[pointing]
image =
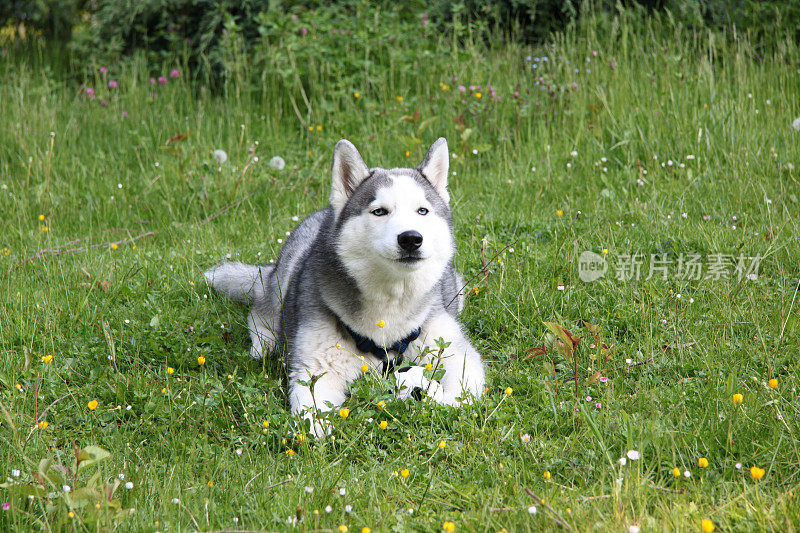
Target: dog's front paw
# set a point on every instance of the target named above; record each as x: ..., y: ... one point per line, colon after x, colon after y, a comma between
x: 412, y: 381
x: 319, y: 427
x: 256, y: 352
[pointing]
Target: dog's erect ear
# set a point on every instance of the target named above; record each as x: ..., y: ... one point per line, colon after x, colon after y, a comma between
x: 349, y: 170
x: 435, y: 167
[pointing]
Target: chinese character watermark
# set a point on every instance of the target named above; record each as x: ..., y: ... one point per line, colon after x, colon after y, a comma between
x: 686, y: 266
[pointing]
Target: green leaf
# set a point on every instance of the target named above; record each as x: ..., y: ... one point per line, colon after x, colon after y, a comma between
x: 90, y: 456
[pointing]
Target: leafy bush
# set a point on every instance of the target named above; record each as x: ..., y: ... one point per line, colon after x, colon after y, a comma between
x: 54, y: 19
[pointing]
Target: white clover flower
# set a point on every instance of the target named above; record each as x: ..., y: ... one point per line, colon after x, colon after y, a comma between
x: 328, y: 508
x: 15, y: 472
x: 176, y: 501
x: 129, y: 485
x: 342, y: 491
x: 532, y: 509
x: 348, y: 509
x: 633, y: 529
x: 687, y: 474
x: 623, y: 461
x: 277, y: 163
x: 309, y: 489
x: 66, y: 488
x: 633, y: 455
x: 796, y: 123
x: 573, y: 153
x: 121, y: 477
x: 238, y: 451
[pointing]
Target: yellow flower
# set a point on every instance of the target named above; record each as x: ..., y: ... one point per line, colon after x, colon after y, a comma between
x: 311, y: 128
x: 92, y: 405
x: 381, y: 404
x: 301, y: 437
x: 605, y: 251
x: 210, y: 483
x: 265, y: 423
x: 384, y: 424
x: 164, y: 390
x: 357, y: 95
x: 676, y: 472
x: 708, y: 525
x: 290, y: 452
x: 41, y: 218
x: 366, y: 530
x: 114, y: 246
x: 343, y: 529
x: 18, y: 386
x: 408, y: 153
x: 449, y: 527
x: 71, y: 514
x: 442, y: 445
x: 404, y: 473
x: 319, y: 128
x: 380, y: 323
x: 559, y: 212
x: 338, y: 346
x: 773, y: 383
x: 399, y: 98
x: 703, y: 462
x: 737, y: 398
x: 428, y: 367
x: 201, y: 360
x: 170, y: 370
x: 475, y: 290
x: 364, y: 368
x: 508, y: 391
x: 478, y: 95
x: 757, y: 472
x: 344, y: 413
x: 547, y: 474
x: 44, y: 228
x: 47, y: 358
x: 43, y: 424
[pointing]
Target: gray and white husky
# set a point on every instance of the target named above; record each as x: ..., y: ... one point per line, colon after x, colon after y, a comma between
x: 369, y: 279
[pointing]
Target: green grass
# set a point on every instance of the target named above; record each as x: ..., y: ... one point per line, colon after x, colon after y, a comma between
x: 114, y: 320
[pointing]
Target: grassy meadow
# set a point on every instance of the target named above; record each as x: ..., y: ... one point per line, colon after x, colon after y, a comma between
x: 627, y: 136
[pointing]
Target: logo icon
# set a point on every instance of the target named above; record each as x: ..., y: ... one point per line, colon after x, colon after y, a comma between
x: 591, y: 266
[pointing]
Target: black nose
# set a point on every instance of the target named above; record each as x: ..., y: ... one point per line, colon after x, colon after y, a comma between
x: 409, y: 240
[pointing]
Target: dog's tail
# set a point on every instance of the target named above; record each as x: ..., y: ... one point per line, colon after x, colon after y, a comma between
x: 240, y: 282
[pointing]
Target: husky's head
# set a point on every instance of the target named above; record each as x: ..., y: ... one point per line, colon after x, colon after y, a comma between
x: 392, y: 221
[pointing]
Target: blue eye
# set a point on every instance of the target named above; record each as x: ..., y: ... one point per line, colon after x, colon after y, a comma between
x: 422, y: 211
x: 379, y: 212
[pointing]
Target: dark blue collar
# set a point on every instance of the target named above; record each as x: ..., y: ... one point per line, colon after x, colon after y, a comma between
x: 367, y: 345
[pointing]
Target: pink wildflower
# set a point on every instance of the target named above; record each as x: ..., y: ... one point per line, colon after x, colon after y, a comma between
x: 598, y: 405
x: 113, y: 84
x: 303, y: 31
x: 174, y: 73
x: 103, y: 103
x: 6, y: 506
x: 124, y: 113
x: 153, y: 81
x: 90, y: 92
x: 162, y: 80
x: 103, y: 70
x: 462, y: 89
